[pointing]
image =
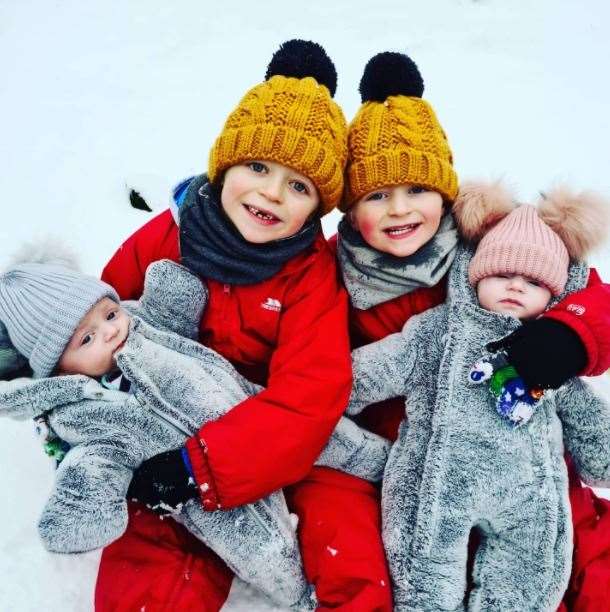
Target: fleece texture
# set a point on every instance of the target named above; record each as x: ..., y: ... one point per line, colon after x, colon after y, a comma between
x: 458, y: 466
x: 178, y: 384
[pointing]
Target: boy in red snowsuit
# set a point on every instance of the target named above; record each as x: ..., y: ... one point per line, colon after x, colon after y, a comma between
x: 251, y: 230
x: 394, y: 246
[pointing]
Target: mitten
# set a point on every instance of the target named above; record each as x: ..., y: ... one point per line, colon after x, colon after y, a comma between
x: 545, y: 352
x: 173, y: 299
x: 164, y: 482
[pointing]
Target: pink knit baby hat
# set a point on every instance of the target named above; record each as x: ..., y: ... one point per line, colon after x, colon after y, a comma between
x: 522, y: 244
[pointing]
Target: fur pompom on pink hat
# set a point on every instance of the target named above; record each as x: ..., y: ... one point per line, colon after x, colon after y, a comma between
x: 534, y: 241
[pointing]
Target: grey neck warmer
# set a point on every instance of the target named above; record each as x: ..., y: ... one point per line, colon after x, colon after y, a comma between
x: 212, y: 247
x: 372, y: 277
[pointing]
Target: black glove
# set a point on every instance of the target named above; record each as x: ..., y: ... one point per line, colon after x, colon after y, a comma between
x: 545, y: 353
x: 163, y: 483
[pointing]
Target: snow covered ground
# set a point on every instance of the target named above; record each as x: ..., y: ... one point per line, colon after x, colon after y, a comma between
x: 100, y: 96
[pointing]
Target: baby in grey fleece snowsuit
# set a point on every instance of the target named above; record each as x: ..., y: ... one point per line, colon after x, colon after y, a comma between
x: 468, y: 458
x: 63, y: 320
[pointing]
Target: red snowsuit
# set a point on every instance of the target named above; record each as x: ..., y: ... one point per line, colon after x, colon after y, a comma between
x: 290, y: 334
x: 587, y: 312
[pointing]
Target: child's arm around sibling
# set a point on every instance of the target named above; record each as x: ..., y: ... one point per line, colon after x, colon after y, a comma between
x: 299, y: 408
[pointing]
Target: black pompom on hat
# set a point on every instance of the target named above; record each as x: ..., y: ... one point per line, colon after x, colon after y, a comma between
x: 303, y: 58
x: 390, y: 74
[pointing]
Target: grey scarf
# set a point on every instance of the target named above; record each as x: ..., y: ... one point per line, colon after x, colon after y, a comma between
x: 372, y: 277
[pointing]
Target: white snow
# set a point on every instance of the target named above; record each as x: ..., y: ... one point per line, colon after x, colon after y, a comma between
x: 98, y: 97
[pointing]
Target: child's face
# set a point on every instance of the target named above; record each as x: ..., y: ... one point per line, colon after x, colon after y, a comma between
x: 398, y: 220
x: 266, y: 200
x: 102, y: 331
x: 514, y: 295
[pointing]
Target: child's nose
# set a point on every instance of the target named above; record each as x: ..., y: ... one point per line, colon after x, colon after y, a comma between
x: 516, y: 283
x: 399, y: 204
x: 110, y: 330
x: 272, y: 189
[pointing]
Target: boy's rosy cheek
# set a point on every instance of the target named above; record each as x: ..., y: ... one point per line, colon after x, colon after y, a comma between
x: 367, y: 228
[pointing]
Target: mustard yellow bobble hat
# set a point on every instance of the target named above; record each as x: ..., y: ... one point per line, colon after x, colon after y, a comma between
x: 292, y: 119
x: 395, y: 137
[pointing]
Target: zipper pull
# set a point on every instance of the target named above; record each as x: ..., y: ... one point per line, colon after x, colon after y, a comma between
x: 226, y: 288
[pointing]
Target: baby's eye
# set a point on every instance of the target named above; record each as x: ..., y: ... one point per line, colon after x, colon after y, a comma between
x: 111, y: 315
x: 257, y: 167
x: 534, y: 283
x: 503, y: 276
x: 300, y: 187
x: 378, y: 195
x: 86, y: 339
x: 414, y: 189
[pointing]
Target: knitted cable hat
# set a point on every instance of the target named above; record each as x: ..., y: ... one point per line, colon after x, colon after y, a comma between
x: 537, y: 242
x: 522, y: 244
x: 395, y: 137
x: 42, y: 304
x: 291, y: 119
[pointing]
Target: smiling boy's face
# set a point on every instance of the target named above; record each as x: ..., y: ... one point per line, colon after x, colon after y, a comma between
x: 101, y: 332
x: 513, y: 294
x: 267, y: 201
x: 398, y: 219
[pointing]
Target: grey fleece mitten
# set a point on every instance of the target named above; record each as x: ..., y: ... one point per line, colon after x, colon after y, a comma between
x: 173, y: 296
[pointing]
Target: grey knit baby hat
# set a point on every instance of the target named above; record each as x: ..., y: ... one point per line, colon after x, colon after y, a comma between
x: 42, y: 304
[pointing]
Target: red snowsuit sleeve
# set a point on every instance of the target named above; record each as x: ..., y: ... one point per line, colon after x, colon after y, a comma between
x: 587, y: 312
x: 272, y: 439
x: 157, y: 239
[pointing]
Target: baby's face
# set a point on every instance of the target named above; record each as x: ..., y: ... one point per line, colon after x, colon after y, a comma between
x: 513, y: 294
x: 101, y: 332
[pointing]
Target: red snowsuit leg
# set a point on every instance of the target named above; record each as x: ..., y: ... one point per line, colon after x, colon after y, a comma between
x: 159, y: 566
x: 340, y: 536
x: 589, y: 589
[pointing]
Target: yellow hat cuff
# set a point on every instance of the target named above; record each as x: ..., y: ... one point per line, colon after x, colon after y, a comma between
x: 398, y: 167
x: 284, y: 145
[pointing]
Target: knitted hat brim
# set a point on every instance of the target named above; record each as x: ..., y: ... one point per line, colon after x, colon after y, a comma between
x: 406, y: 165
x: 286, y: 146
x: 527, y: 259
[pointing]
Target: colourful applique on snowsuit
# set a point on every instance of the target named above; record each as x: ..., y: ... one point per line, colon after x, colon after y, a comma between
x: 176, y: 385
x: 457, y: 465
